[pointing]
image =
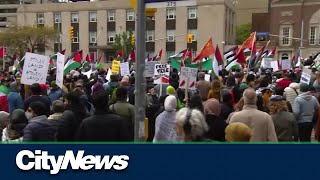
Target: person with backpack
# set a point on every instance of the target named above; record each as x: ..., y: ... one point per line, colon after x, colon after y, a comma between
x: 291, y: 92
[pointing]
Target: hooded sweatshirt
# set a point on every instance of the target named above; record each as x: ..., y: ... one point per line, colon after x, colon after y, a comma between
x: 304, y: 107
x: 165, y: 122
x: 14, y: 98
x: 40, y: 129
x: 291, y: 92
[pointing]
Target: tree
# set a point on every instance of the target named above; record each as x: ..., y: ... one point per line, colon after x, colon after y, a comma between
x: 19, y: 39
x: 243, y: 32
x: 124, y: 41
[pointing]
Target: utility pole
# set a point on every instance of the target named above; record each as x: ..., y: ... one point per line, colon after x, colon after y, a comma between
x: 140, y: 78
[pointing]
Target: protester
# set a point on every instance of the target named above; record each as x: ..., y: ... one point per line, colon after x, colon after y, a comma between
x: 55, y: 93
x: 238, y: 132
x: 14, y: 131
x: 226, y: 106
x: 152, y: 106
x: 203, y: 86
x: 37, y: 97
x: 191, y: 125
x: 4, y: 120
x: 39, y: 127
x: 112, y: 85
x: 285, y: 123
x: 284, y: 82
x: 305, y: 107
x: 261, y: 123
x: 196, y: 103
x: 103, y: 125
x: 215, y: 91
x: 165, y: 122
x: 316, y: 83
x: 14, y: 98
x: 216, y: 124
x: 57, y: 109
x: 291, y: 92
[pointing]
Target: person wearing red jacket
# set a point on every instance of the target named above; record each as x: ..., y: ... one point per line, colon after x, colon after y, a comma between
x: 284, y: 82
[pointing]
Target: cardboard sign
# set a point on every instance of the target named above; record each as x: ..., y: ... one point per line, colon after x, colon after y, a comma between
x: 285, y: 64
x: 266, y: 62
x: 124, y: 69
x: 188, y: 78
x: 274, y: 66
x: 305, y: 76
x: 149, y: 72
x: 35, y: 69
x: 60, y: 67
x: 161, y: 73
x: 115, y: 68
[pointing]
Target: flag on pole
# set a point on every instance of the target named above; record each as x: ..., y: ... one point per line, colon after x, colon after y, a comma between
x: 207, y: 50
x: 120, y: 56
x: 248, y: 44
x: 92, y: 58
x: 158, y: 56
x: 271, y: 54
x: 189, y: 56
x: 81, y: 54
x: 99, y: 62
x: 230, y: 54
x: 182, y: 64
x: 132, y: 56
x: 217, y: 60
x: 178, y: 56
x: 73, y: 63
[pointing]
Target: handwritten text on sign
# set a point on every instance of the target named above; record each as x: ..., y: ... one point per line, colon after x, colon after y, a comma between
x: 60, y: 66
x: 161, y: 71
x: 35, y: 69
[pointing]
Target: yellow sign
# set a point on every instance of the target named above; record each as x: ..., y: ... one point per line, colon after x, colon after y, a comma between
x: 150, y: 12
x: 189, y: 38
x: 115, y: 68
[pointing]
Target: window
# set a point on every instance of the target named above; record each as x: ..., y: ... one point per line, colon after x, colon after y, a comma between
x: 57, y: 18
x: 111, y: 36
x: 130, y: 15
x: 93, y: 16
x: 192, y: 13
x: 194, y: 53
x: 286, y: 33
x: 150, y: 36
x: 57, y: 39
x: 92, y: 37
x: 170, y: 35
x: 284, y: 56
x: 194, y: 34
x: 171, y: 13
x: 170, y: 53
x: 74, y: 17
x: 313, y: 35
x: 75, y: 37
x: 111, y: 15
x: 40, y: 18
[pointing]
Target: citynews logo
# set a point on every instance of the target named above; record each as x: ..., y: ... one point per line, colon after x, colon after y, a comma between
x: 40, y: 160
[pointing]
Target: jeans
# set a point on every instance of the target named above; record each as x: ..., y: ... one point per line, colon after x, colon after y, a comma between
x: 305, y: 130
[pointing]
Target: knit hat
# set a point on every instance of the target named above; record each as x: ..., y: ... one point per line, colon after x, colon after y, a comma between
x: 212, y: 106
x: 170, y: 103
x: 238, y: 132
x: 171, y: 90
x: 3, y: 116
x: 304, y: 87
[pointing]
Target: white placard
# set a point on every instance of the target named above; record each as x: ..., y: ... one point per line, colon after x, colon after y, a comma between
x: 274, y: 66
x: 124, y: 69
x: 161, y: 71
x: 108, y: 74
x: 149, y: 72
x: 60, y: 67
x: 285, y: 65
x: 207, y: 77
x: 305, y: 76
x: 35, y: 69
x: 188, y: 77
x: 266, y: 62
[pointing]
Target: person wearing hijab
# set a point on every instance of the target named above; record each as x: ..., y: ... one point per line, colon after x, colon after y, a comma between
x: 4, y: 119
x: 14, y: 131
x: 14, y: 98
x: 165, y: 122
x: 238, y: 132
x: 196, y: 103
x: 212, y: 110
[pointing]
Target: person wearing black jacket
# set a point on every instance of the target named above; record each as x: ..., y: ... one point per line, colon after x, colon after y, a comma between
x: 152, y: 107
x: 103, y: 125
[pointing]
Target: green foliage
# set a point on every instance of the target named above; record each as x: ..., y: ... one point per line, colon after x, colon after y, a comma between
x: 19, y: 39
x: 243, y: 32
x: 123, y: 41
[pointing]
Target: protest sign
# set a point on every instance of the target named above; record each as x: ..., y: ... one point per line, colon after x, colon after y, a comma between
x: 305, y: 76
x: 124, y: 69
x: 108, y: 74
x: 149, y: 72
x: 207, y: 77
x: 35, y: 69
x: 115, y: 68
x: 285, y: 65
x: 266, y: 62
x: 274, y: 66
x: 60, y: 67
x: 161, y: 73
x: 188, y: 78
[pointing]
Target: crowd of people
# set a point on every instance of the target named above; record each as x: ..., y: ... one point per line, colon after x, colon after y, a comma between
x: 236, y: 106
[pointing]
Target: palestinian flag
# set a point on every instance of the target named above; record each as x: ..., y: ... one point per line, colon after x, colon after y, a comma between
x: 21, y: 63
x: 158, y: 56
x: 120, y: 56
x: 92, y: 58
x: 132, y: 56
x: 271, y: 54
x: 230, y: 54
x: 178, y: 56
x: 217, y: 60
x: 86, y: 63
x: 182, y: 63
x: 72, y: 63
x: 99, y: 62
x: 236, y: 63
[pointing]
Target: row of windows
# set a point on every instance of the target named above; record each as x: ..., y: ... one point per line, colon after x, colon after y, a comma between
x: 111, y: 15
x: 286, y: 32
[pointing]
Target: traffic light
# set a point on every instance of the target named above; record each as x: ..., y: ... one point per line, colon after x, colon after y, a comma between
x: 190, y: 39
x: 71, y: 33
x: 133, y: 40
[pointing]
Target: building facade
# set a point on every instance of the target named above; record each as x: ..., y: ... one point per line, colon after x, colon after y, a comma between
x: 97, y: 23
x: 292, y: 21
x: 246, y: 8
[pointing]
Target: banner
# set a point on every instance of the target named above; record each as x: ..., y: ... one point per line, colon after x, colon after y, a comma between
x: 161, y: 71
x: 115, y: 68
x: 59, y: 73
x: 206, y: 65
x: 35, y: 69
x: 305, y: 76
x: 149, y: 70
x: 285, y: 65
x: 124, y: 69
x: 266, y: 62
x: 188, y: 78
x: 274, y: 66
